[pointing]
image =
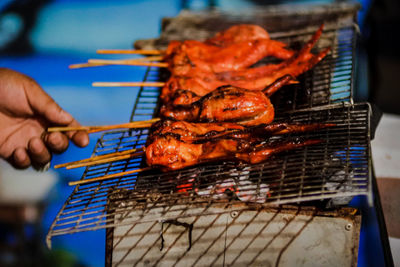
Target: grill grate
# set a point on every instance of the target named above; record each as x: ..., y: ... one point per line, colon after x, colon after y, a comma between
x: 337, y: 167
x: 330, y: 81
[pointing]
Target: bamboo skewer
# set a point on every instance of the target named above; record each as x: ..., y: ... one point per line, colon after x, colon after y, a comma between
x: 125, y: 61
x: 138, y: 84
x: 128, y: 84
x: 93, y: 129
x: 105, y: 160
x: 105, y: 62
x: 152, y: 63
x: 130, y: 51
x: 141, y: 63
x: 105, y: 177
x: 85, y: 65
x: 100, y: 157
x: 129, y: 125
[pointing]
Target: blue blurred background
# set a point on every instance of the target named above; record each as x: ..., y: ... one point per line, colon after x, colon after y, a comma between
x: 41, y: 38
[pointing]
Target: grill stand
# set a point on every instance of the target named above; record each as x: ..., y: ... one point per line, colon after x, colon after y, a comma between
x: 286, y: 236
x: 383, y: 234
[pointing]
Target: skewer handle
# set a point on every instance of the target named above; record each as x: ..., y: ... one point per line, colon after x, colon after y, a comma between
x: 105, y: 160
x: 106, y: 177
x: 130, y: 51
x: 85, y: 65
x: 100, y: 157
x: 93, y: 129
x: 128, y: 84
x: 106, y: 62
x: 124, y: 61
x: 138, y: 63
x: 129, y: 62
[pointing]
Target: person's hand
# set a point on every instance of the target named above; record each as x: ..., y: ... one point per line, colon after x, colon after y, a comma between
x: 26, y: 111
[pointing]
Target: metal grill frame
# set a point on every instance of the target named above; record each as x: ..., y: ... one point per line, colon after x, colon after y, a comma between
x: 337, y: 73
x: 245, y: 237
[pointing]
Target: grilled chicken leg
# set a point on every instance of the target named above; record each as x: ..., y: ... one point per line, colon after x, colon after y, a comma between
x: 169, y: 153
x: 229, y: 104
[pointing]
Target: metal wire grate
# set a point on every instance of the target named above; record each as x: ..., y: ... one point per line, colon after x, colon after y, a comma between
x: 330, y: 81
x: 337, y: 167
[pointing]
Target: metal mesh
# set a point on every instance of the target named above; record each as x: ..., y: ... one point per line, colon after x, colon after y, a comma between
x: 330, y: 81
x: 339, y: 166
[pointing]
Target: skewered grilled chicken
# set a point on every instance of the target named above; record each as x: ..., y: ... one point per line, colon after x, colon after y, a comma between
x: 203, y: 132
x: 236, y: 48
x: 169, y: 153
x: 177, y: 51
x: 229, y: 104
x: 183, y: 90
x: 238, y: 33
x: 186, y: 90
x: 301, y: 57
x: 188, y: 54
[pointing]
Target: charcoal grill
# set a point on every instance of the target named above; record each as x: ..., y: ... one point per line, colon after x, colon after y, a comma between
x: 328, y: 174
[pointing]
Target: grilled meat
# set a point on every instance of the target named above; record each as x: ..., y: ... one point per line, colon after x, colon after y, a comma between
x: 236, y: 48
x: 169, y: 153
x: 301, y: 57
x: 183, y: 90
x: 204, y: 132
x: 236, y: 56
x: 229, y: 104
x: 238, y: 33
x: 232, y: 122
x: 189, y: 132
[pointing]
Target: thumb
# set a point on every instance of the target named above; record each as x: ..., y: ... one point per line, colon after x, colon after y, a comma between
x: 55, y: 114
x: 42, y: 104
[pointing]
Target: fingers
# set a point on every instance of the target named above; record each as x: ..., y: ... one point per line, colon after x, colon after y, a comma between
x: 20, y: 159
x: 28, y: 110
x: 42, y: 104
x: 80, y: 138
x: 56, y: 142
x: 38, y: 153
